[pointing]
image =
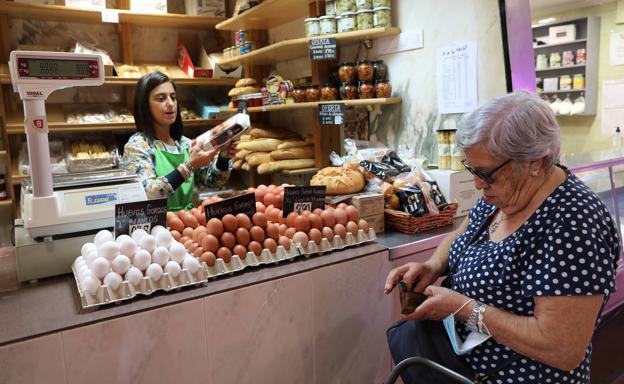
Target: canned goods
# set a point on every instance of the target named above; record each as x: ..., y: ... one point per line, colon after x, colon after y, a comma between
x: 246, y: 47
x: 241, y: 36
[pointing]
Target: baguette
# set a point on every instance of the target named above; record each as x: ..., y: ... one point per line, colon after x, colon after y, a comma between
x: 245, y: 137
x: 246, y: 167
x: 257, y: 158
x: 258, y: 133
x: 275, y: 166
x: 293, y: 143
x: 242, y: 154
x: 238, y: 164
x: 260, y: 145
x: 293, y: 153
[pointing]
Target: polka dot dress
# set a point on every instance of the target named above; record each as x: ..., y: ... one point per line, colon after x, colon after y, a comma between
x: 567, y: 247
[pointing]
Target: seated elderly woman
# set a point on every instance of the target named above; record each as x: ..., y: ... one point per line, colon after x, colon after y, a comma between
x: 534, y: 262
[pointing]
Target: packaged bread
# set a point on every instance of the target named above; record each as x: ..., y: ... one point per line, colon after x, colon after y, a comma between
x: 280, y: 165
x: 257, y: 158
x: 293, y: 153
x: 259, y: 145
x: 339, y: 180
x: 224, y: 133
x: 246, y: 82
x: 271, y: 133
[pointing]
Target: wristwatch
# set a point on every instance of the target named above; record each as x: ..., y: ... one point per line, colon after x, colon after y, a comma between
x: 475, y: 320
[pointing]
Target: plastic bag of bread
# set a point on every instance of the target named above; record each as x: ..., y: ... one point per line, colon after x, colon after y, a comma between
x: 223, y: 133
x: 339, y: 180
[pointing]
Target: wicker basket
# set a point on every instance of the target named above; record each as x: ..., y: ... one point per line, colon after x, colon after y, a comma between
x: 406, y: 223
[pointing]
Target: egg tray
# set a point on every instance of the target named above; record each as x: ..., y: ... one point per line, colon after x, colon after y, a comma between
x: 147, y: 286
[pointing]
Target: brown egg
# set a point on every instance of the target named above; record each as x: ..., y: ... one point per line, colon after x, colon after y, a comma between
x: 306, y: 213
x: 341, y: 216
x: 175, y: 234
x: 272, y: 215
x: 269, y: 199
x: 192, y: 248
x: 229, y: 223
x: 198, y: 252
x: 199, y: 230
x: 225, y: 254
x: 352, y: 227
x: 255, y: 247
x: 352, y: 213
x: 316, y: 221
x: 227, y: 240
x: 284, y: 242
x: 270, y: 244
x: 198, y: 216
x: 201, y: 237
x: 282, y: 228
x: 193, y: 211
x: 243, y: 221
x: 257, y: 234
x: 342, y: 205
x: 183, y: 239
x: 290, y: 219
x: 170, y: 215
x: 202, y: 218
x: 259, y: 219
x: 260, y: 192
x: 215, y: 227
x: 260, y: 207
x: 210, y: 243
x: 302, y: 224
x: 315, y: 235
x: 290, y: 232
x: 190, y: 221
x: 188, y: 232
x: 209, y: 258
x: 279, y: 200
x: 176, y: 224
x: 317, y: 211
x: 240, y: 251
x: 328, y: 218
x: 340, y: 230
x: 188, y: 243
x: 242, y: 236
x: 181, y: 213
x: 272, y: 231
x: 282, y: 219
x: 328, y: 233
x: 301, y: 238
x: 363, y: 225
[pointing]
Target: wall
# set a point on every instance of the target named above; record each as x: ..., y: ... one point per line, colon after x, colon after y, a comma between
x: 584, y: 133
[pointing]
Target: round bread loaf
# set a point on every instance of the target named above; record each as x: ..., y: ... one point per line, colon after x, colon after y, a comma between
x: 243, y: 91
x: 245, y: 82
x: 339, y: 180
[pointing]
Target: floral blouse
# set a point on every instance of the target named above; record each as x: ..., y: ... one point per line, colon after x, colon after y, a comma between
x: 138, y: 157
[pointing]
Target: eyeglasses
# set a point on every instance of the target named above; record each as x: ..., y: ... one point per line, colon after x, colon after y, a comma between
x: 487, y: 176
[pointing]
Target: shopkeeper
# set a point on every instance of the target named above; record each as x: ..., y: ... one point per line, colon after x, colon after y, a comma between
x: 167, y: 162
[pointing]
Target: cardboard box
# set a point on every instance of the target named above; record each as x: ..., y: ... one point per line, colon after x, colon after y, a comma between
x: 218, y: 72
x: 561, y: 34
x: 190, y: 50
x: 377, y: 222
x: 368, y: 204
x: 551, y: 84
x: 205, y: 7
x: 457, y: 186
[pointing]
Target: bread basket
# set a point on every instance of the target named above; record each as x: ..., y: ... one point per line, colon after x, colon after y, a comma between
x: 406, y: 223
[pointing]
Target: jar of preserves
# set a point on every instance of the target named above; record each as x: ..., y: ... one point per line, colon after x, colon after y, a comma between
x: 328, y: 25
x: 383, y: 88
x: 382, y: 3
x: 366, y: 90
x: 581, y: 55
x: 348, y: 91
x: 236, y: 50
x: 298, y: 94
x: 330, y: 8
x: 348, y: 22
x: 312, y: 93
x: 555, y: 60
x: 346, y: 72
x: 364, y: 19
x: 345, y: 6
x: 578, y: 81
x: 380, y: 71
x: 312, y: 27
x: 365, y: 70
x: 363, y: 4
x: 565, y: 83
x: 329, y: 92
x: 382, y: 17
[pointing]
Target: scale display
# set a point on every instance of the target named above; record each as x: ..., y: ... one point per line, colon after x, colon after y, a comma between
x: 57, y: 69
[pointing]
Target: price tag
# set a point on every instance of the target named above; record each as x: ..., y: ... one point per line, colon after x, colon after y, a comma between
x: 140, y: 215
x: 330, y: 113
x: 323, y: 48
x: 240, y: 204
x: 110, y: 16
x: 299, y: 199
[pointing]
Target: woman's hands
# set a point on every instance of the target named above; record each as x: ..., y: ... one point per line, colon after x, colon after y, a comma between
x: 200, y: 158
x: 228, y: 151
x: 423, y: 274
x: 439, y: 304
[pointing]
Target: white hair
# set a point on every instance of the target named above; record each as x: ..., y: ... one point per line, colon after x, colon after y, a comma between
x: 517, y: 126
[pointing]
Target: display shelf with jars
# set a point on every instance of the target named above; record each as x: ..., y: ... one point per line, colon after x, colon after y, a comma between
x: 566, y: 64
x: 314, y: 105
x: 268, y: 14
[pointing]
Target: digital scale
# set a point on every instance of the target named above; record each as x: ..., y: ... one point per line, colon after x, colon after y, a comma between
x: 58, y: 214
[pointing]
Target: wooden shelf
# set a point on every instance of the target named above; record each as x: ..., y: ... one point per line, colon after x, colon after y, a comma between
x: 3, y: 153
x: 560, y: 44
x: 296, y: 48
x: 269, y: 14
x: 565, y: 91
x: 16, y: 177
x: 176, y: 73
x: 6, y: 203
x: 78, y: 15
x: 561, y: 68
x: 56, y: 123
x: 348, y: 103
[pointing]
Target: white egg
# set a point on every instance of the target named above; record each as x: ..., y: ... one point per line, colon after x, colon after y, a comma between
x: 164, y: 238
x: 79, y: 261
x: 148, y: 243
x: 134, y: 275
x: 108, y: 250
x: 191, y: 264
x: 100, y: 267
x: 121, y: 264
x: 138, y: 235
x: 86, y: 248
x: 154, y: 272
x: 173, y: 268
x: 160, y: 256
x: 91, y: 255
x: 177, y: 252
x: 102, y: 237
x: 127, y: 246
x: 121, y: 238
x: 142, y: 259
x: 113, y: 280
x: 83, y: 271
x: 158, y: 228
x: 90, y: 284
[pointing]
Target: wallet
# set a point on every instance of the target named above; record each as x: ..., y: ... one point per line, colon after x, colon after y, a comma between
x: 409, y: 299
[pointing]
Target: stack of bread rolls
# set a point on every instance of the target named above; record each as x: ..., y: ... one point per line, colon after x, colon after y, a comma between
x: 245, y: 86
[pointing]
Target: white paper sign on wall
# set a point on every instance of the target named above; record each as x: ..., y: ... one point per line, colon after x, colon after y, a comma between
x: 456, y: 75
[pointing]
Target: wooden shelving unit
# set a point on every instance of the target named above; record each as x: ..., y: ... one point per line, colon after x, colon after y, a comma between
x: 6, y: 203
x: 295, y: 106
x: 78, y: 15
x: 268, y: 14
x: 296, y: 48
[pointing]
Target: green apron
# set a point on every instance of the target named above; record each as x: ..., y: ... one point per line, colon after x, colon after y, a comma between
x: 166, y: 162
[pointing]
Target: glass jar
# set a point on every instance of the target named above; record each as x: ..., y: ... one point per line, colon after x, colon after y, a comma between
x: 236, y: 50
x: 581, y: 55
x: 345, y: 6
x: 383, y: 89
x: 567, y: 58
x: 382, y: 17
x: 380, y: 71
x: 328, y: 25
x: 348, y: 91
x: 312, y: 27
x: 382, y: 3
x: 541, y: 62
x: 365, y: 70
x: 329, y: 92
x: 348, y: 22
x: 363, y: 4
x: 346, y: 72
x: 330, y: 8
x: 555, y: 60
x: 312, y: 93
x: 565, y: 83
x: 364, y: 19
x: 578, y: 81
x: 298, y: 94
x: 366, y: 90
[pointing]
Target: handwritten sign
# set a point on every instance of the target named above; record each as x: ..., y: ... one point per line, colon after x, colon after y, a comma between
x: 140, y: 215
x: 240, y: 204
x: 299, y: 199
x: 323, y: 49
x: 331, y: 113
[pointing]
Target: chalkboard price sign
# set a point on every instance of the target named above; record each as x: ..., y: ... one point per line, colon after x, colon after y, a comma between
x: 240, y: 204
x: 140, y: 215
x: 299, y: 199
x: 323, y: 48
x: 331, y: 113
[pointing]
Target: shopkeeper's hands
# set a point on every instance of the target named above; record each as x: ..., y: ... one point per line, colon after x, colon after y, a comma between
x: 228, y: 151
x: 439, y: 304
x: 200, y: 158
x: 424, y: 274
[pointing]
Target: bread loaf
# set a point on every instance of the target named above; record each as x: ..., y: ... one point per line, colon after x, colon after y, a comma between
x: 259, y: 145
x: 246, y: 167
x: 275, y: 166
x: 242, y: 154
x: 293, y: 153
x: 245, y: 82
x: 339, y: 180
x: 243, y: 91
x: 257, y: 158
x: 272, y: 133
x: 238, y: 164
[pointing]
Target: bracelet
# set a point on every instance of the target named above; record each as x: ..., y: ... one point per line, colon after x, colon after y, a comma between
x: 185, y: 171
x: 480, y: 323
x: 475, y: 322
x: 189, y: 166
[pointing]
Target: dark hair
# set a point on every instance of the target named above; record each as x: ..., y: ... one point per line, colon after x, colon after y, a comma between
x: 143, y: 119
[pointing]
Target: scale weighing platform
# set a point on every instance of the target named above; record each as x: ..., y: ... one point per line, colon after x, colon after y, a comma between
x: 58, y: 215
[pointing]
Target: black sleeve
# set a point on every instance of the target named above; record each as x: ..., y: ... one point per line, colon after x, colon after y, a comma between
x: 223, y: 164
x: 175, y: 179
